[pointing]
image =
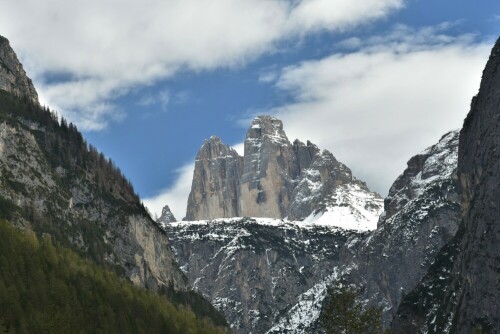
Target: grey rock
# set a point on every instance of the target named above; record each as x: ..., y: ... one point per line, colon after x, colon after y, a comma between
x: 13, y: 78
x: 460, y: 293
x: 392, y: 260
x: 270, y: 168
x: 215, y: 188
x: 305, y: 154
x: 274, y: 179
x: 398, y: 254
x: 478, y: 265
x: 166, y: 217
x: 253, y: 270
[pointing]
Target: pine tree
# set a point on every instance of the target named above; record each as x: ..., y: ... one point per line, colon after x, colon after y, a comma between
x: 344, y: 315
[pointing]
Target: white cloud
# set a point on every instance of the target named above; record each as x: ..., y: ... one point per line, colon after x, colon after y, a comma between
x: 103, y: 49
x: 373, y: 107
x: 377, y: 106
x: 175, y: 197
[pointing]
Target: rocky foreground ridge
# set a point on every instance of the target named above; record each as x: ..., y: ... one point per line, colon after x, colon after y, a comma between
x: 461, y: 291
x: 53, y: 183
x: 278, y: 179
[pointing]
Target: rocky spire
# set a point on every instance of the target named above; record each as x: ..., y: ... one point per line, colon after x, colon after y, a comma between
x: 274, y: 179
x: 215, y: 187
x: 166, y: 217
x: 270, y: 166
x: 13, y: 78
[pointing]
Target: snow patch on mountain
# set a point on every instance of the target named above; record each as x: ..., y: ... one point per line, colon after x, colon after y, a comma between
x: 352, y: 208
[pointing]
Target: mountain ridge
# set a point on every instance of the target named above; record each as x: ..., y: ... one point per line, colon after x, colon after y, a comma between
x: 54, y: 183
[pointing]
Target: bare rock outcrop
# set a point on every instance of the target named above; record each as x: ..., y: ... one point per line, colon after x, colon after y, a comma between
x: 270, y: 167
x: 166, y: 217
x: 13, y: 78
x: 274, y: 179
x: 215, y: 187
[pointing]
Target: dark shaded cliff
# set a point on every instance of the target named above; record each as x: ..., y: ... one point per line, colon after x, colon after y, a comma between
x: 461, y: 292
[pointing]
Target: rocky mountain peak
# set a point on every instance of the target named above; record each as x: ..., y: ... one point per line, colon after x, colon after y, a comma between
x: 438, y: 161
x: 215, y: 187
x: 214, y: 148
x: 275, y: 179
x: 267, y: 129
x: 13, y: 78
x: 166, y: 217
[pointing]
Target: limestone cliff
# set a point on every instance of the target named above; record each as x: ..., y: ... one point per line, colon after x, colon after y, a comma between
x: 54, y: 183
x: 215, y: 188
x: 461, y: 292
x: 13, y: 78
x: 277, y: 179
x: 270, y: 168
x: 478, y: 265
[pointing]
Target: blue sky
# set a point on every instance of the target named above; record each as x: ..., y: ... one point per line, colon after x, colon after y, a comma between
x: 373, y: 81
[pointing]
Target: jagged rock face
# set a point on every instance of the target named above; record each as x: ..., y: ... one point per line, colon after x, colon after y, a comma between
x: 479, y: 172
x: 253, y: 270
x: 327, y: 191
x: 92, y: 223
x: 304, y: 153
x: 392, y: 260
x: 166, y: 217
x: 215, y: 189
x: 103, y: 221
x: 270, y: 167
x: 437, y: 161
x: 12, y: 75
x: 396, y: 257
x: 277, y: 179
x: 461, y: 292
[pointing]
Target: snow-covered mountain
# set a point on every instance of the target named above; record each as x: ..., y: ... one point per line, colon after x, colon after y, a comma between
x: 254, y: 269
x: 422, y: 214
x: 270, y: 275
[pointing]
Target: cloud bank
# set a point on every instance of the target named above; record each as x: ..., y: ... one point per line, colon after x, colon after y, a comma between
x: 83, y: 55
x: 383, y: 99
x: 376, y: 102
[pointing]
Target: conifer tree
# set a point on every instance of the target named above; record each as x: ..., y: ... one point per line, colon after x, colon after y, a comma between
x: 344, y: 315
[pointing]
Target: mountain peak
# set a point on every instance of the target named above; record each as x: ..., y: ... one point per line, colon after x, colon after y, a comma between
x: 267, y: 128
x: 214, y: 189
x: 166, y: 217
x: 276, y: 179
x: 13, y: 78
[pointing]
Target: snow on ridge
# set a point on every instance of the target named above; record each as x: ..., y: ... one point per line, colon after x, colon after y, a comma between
x: 352, y: 208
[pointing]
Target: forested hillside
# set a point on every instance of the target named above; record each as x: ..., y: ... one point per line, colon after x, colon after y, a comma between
x: 50, y: 289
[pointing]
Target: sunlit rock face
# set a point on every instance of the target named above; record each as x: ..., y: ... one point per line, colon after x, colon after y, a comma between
x: 215, y: 189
